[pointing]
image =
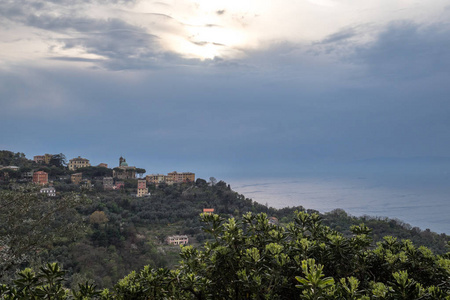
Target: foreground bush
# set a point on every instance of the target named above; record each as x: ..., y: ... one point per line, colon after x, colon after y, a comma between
x: 251, y: 259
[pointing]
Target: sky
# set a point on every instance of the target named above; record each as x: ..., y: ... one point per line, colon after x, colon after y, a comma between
x: 229, y: 89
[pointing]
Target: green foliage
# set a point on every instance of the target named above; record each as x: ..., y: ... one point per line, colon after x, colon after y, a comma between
x: 47, y: 283
x: 314, y: 286
x: 93, y: 172
x: 250, y: 259
x: 31, y: 221
x: 339, y: 220
x: 8, y: 158
x: 140, y: 171
x: 58, y: 160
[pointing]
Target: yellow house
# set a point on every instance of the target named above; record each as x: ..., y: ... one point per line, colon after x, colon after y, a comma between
x: 171, y: 178
x: 79, y: 162
x: 47, y: 158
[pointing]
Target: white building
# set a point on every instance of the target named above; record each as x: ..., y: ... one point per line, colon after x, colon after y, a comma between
x: 177, y: 240
x: 50, y: 191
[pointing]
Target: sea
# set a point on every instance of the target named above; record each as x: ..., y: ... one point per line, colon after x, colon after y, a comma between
x: 420, y: 201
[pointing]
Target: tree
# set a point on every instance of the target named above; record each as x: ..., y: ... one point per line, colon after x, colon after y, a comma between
x: 140, y: 172
x: 251, y: 259
x: 30, y: 221
x: 58, y: 160
x: 201, y: 182
x: 212, y: 180
x: 98, y: 217
x: 92, y: 172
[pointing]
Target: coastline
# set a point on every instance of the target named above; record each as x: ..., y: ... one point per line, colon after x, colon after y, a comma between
x: 418, y: 206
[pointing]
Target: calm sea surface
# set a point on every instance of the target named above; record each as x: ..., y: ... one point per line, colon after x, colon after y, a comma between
x: 424, y: 204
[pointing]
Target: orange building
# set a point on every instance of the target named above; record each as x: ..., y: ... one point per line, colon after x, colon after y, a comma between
x: 181, y: 177
x: 40, y: 177
x: 209, y: 211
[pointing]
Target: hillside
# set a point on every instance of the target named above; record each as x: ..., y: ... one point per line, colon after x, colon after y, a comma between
x: 108, y: 234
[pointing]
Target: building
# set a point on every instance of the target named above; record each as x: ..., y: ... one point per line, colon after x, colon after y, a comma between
x: 39, y: 159
x: 171, y: 178
x: 40, y: 177
x: 177, y: 240
x: 209, y: 211
x: 273, y: 221
x: 142, y: 189
x: 86, y: 183
x: 119, y: 185
x: 47, y: 158
x: 79, y: 162
x: 50, y: 191
x: 12, y: 168
x: 181, y: 177
x: 123, y: 171
x: 102, y: 165
x: 108, y: 183
x: 155, y: 178
x: 63, y: 177
x: 27, y: 175
x: 76, y: 178
x: 43, y: 159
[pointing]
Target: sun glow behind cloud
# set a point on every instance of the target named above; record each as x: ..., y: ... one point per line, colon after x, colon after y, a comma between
x: 227, y: 29
x: 207, y: 29
x: 145, y: 31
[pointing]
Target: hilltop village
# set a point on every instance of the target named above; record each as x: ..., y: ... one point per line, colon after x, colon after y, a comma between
x: 79, y: 171
x: 56, y: 177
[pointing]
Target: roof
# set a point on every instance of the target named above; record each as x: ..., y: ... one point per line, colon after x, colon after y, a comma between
x: 79, y: 159
x: 178, y: 236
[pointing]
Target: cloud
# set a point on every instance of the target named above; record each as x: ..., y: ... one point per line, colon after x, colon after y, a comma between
x: 111, y: 42
x: 339, y: 36
x: 405, y: 49
x: 191, y: 31
x: 76, y: 59
x: 120, y: 76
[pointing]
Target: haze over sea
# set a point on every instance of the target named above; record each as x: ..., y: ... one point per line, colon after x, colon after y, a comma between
x: 419, y: 198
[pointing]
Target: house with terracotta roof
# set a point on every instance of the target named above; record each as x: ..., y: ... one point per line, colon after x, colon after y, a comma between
x: 209, y: 211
